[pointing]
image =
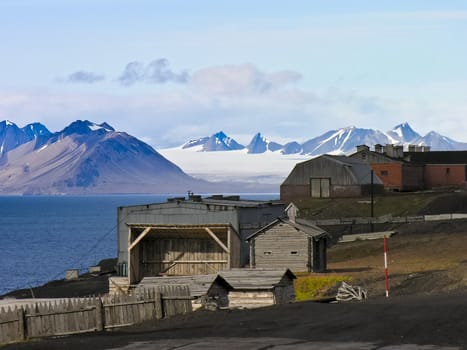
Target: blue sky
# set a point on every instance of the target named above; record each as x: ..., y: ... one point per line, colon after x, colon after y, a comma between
x: 167, y: 71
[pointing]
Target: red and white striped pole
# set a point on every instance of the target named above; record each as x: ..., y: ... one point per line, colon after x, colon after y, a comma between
x: 386, y: 265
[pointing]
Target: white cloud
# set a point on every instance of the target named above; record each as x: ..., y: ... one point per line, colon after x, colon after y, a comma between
x: 240, y: 80
x: 156, y: 72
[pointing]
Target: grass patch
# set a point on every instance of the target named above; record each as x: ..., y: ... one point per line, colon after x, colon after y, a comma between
x: 313, y: 287
x: 397, y: 204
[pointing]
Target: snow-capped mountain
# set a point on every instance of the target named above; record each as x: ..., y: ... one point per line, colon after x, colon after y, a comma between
x: 403, y: 133
x: 89, y: 158
x: 439, y: 142
x: 260, y: 144
x: 341, y: 141
x: 217, y: 142
x: 11, y: 136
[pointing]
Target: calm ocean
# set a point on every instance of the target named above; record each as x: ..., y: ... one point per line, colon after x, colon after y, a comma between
x: 43, y: 236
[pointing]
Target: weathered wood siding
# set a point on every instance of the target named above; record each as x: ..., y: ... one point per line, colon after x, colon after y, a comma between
x: 282, y: 246
x: 183, y: 256
x: 250, y: 299
x: 284, y: 292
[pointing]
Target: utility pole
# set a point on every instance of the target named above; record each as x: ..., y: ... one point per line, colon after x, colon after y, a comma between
x: 372, y: 202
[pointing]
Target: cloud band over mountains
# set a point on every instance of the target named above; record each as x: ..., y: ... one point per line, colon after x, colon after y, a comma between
x: 224, y: 80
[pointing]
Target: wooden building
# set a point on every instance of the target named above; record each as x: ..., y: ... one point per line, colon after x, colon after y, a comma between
x: 298, y: 246
x: 252, y: 288
x: 330, y: 177
x: 180, y: 249
x: 206, y: 291
x: 189, y: 236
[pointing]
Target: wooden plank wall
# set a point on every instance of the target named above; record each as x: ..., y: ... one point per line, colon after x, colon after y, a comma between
x: 193, y: 254
x: 282, y: 247
x: 73, y: 316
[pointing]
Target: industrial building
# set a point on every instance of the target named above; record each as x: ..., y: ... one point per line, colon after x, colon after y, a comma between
x: 330, y: 176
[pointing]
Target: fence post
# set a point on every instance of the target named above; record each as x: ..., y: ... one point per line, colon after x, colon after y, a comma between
x: 99, y: 315
x: 159, y: 306
x: 22, y: 331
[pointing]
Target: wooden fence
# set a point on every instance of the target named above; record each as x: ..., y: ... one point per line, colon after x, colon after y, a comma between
x: 72, y: 316
x: 389, y: 219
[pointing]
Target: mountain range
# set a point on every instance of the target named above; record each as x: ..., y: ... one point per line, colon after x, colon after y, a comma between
x: 90, y: 158
x: 340, y: 141
x: 87, y: 158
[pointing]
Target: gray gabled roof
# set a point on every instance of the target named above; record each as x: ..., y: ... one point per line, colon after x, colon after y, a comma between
x: 299, y: 224
x: 256, y: 278
x: 199, y: 285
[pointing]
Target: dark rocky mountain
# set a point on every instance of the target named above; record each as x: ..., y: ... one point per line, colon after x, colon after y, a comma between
x: 260, y: 144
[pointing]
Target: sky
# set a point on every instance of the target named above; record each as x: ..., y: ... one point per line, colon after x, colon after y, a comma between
x: 170, y: 71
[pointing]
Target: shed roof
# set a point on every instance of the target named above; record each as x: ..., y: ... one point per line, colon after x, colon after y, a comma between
x: 359, y: 171
x: 256, y: 278
x: 437, y: 157
x: 199, y: 285
x: 214, y: 200
x: 299, y: 224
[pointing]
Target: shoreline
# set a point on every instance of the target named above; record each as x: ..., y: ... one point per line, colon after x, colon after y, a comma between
x: 87, y: 284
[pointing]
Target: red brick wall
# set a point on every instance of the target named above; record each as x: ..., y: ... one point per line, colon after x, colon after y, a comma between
x: 445, y: 175
x: 390, y: 174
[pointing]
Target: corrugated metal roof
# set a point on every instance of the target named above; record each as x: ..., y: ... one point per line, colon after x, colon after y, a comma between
x: 199, y: 285
x: 255, y: 278
x: 209, y: 201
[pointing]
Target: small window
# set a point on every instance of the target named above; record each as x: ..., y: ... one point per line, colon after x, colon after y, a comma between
x: 268, y: 253
x: 448, y: 170
x: 294, y: 252
x: 384, y: 173
x: 364, y: 155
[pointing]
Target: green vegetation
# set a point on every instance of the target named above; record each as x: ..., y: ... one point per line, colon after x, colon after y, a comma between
x: 309, y: 287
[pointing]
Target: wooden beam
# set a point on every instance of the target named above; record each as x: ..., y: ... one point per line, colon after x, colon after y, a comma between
x: 185, y: 261
x: 218, y: 241
x: 139, y: 238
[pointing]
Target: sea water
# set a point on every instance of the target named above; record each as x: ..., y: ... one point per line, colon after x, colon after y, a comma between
x: 43, y: 236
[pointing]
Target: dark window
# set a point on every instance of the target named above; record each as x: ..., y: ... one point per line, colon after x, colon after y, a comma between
x: 293, y: 252
x: 384, y: 173
x: 268, y: 253
x: 448, y: 170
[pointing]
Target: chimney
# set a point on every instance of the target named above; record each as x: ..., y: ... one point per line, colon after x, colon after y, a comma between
x: 389, y: 150
x: 362, y: 148
x: 399, y: 151
x: 379, y: 148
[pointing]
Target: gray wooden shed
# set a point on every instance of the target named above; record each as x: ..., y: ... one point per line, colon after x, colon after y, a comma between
x: 329, y: 176
x: 205, y: 290
x: 252, y: 288
x: 296, y: 245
